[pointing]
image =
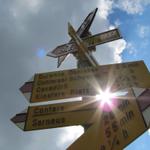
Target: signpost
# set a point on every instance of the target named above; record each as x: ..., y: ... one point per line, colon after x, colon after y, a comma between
x: 82, y: 31
x: 78, y: 82
x: 63, y: 119
x: 57, y: 115
x: 84, y: 50
x: 90, y: 41
x: 52, y: 109
x: 111, y: 129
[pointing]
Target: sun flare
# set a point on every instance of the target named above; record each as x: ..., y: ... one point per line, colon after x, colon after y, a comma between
x: 105, y: 96
x: 108, y: 100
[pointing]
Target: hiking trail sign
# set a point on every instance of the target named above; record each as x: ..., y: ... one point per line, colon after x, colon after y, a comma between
x: 115, y: 129
x: 109, y: 128
x: 119, y: 127
x: 78, y: 82
x: 89, y: 41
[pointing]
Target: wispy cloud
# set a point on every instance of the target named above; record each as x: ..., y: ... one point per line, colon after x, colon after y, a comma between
x: 143, y: 31
x: 105, y: 7
x: 129, y: 6
x: 132, y: 6
x: 117, y: 22
x: 25, y: 6
x: 118, y: 47
x: 131, y: 49
x: 69, y: 135
x: 149, y: 132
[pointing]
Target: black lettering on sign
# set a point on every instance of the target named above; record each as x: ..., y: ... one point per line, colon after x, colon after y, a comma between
x: 115, y: 141
x: 108, y: 132
x: 123, y: 105
x: 47, y: 122
x: 43, y: 76
x: 47, y: 110
x: 49, y: 95
x: 80, y: 92
x: 125, y: 133
x: 126, y: 118
x: 106, y: 119
x: 115, y: 126
x: 102, y: 147
x: 111, y: 115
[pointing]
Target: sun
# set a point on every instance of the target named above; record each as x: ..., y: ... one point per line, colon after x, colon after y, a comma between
x: 107, y: 100
x: 105, y: 96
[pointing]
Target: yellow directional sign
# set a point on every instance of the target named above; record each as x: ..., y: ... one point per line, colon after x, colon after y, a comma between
x: 113, y: 130
x: 89, y: 41
x: 61, y: 114
x: 88, y: 81
x: 82, y: 47
x: 37, y: 120
x: 92, y: 139
x: 101, y: 38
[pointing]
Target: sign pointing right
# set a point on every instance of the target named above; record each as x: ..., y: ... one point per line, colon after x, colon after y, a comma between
x: 90, y: 41
x: 86, y: 81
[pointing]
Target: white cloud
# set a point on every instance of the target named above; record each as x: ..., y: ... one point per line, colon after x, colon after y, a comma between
x: 131, y: 6
x: 117, y: 47
x: 117, y: 22
x: 149, y: 132
x: 143, y: 31
x: 105, y: 8
x: 69, y: 135
x: 131, y: 48
x: 23, y: 7
x: 109, y: 53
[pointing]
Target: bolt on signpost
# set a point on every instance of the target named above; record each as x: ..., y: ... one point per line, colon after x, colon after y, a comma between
x: 110, y: 124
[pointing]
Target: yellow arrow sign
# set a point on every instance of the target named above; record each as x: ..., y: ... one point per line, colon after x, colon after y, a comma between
x: 81, y: 45
x: 59, y: 119
x: 89, y: 41
x: 113, y: 130
x: 88, y: 81
x: 60, y: 115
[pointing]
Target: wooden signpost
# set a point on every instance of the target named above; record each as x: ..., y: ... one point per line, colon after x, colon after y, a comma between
x: 111, y: 129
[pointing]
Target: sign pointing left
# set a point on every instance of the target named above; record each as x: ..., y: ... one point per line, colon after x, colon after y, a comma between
x: 56, y: 115
x: 108, y: 130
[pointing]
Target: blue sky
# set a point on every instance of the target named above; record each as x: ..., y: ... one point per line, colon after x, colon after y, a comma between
x: 135, y: 29
x: 31, y: 28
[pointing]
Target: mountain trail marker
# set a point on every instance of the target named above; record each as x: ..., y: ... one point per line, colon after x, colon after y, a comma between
x: 112, y: 121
